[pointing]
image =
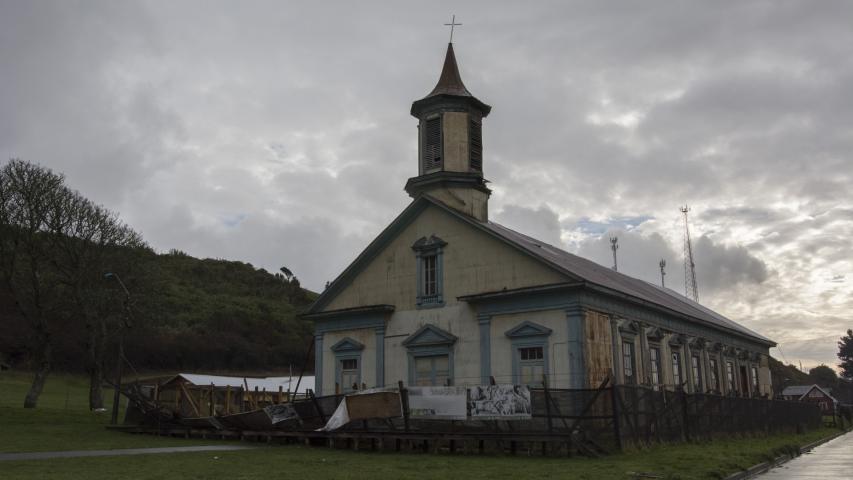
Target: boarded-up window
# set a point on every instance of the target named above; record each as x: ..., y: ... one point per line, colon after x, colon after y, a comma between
x: 714, y: 376
x: 730, y: 376
x: 654, y: 364
x: 697, y: 373
x: 531, y: 365
x: 475, y: 132
x: 676, y: 368
x: 754, y: 372
x: 432, y: 144
x: 628, y: 362
x: 350, y: 375
x: 432, y: 371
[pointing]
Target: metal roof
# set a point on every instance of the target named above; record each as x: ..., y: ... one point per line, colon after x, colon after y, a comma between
x: 573, y: 266
x: 800, y: 391
x: 270, y: 384
x: 796, y: 390
x: 606, y: 277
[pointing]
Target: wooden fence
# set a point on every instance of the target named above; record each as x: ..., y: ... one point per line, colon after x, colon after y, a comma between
x: 649, y: 416
x: 592, y: 421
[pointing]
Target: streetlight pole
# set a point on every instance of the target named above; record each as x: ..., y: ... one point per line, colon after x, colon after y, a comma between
x: 124, y: 324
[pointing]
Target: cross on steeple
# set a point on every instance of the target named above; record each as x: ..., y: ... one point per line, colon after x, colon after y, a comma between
x: 451, y: 25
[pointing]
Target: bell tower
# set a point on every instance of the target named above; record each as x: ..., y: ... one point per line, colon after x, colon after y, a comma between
x: 450, y: 144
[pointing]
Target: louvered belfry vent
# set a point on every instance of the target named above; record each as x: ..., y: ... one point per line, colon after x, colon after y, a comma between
x: 475, y: 132
x: 432, y: 144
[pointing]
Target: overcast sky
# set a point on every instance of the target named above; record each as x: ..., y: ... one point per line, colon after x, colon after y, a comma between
x: 278, y: 133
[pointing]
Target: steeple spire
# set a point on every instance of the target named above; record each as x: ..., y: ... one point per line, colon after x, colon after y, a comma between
x: 450, y: 86
x: 450, y: 82
x: 450, y: 144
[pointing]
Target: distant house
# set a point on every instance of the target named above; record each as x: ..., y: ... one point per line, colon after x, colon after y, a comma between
x: 192, y: 395
x: 812, y: 394
x: 269, y: 384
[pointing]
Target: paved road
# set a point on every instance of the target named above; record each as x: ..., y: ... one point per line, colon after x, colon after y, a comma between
x: 832, y: 460
x: 110, y: 453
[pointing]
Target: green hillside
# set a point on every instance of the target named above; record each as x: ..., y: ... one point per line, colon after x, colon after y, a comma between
x: 786, y: 375
x: 189, y: 314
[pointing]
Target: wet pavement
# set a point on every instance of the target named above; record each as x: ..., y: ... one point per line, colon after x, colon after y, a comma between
x: 832, y: 460
x: 116, y: 452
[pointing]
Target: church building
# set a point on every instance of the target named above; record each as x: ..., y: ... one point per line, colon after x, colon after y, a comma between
x: 445, y: 296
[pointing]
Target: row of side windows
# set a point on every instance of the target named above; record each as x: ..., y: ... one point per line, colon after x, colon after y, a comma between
x: 629, y: 371
x: 435, y: 369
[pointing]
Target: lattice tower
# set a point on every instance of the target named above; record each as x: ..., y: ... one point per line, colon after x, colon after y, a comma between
x: 691, y: 288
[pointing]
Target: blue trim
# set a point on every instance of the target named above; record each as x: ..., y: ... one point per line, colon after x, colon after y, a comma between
x: 347, y: 344
x: 340, y: 357
x: 318, y: 364
x: 429, y: 335
x: 347, y: 349
x: 431, y: 249
x: 526, y: 342
x: 429, y: 341
x: 527, y: 329
x: 533, y: 302
x: 380, y: 356
x: 485, y: 322
x: 576, y: 323
x: 528, y: 334
x: 350, y: 322
x: 420, y: 279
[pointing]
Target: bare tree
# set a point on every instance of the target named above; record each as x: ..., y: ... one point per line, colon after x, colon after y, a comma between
x: 28, y: 199
x: 53, y: 247
x: 88, y: 244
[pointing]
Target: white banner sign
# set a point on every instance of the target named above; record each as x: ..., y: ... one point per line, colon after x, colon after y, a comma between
x: 447, y: 403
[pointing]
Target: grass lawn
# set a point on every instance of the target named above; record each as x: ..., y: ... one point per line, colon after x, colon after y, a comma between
x: 52, y: 427
x: 62, y: 420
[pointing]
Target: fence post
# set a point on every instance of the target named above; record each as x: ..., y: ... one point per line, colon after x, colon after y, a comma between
x: 404, y: 399
x: 547, y: 403
x: 686, y: 412
x: 616, y: 416
x: 317, y: 406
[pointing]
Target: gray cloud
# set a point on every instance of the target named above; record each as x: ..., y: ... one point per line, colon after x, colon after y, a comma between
x: 541, y: 223
x: 722, y: 267
x: 279, y: 132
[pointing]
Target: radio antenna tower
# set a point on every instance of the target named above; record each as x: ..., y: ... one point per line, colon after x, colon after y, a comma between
x: 662, y: 272
x: 614, y: 245
x: 691, y: 289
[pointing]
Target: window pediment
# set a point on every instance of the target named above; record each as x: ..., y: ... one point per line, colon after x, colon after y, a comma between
x: 347, y: 345
x: 429, y: 335
x: 628, y: 329
x: 528, y: 329
x: 655, y: 334
x: 428, y: 243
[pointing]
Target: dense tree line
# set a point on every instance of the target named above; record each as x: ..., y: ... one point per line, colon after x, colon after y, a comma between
x: 845, y: 355
x: 59, y: 311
